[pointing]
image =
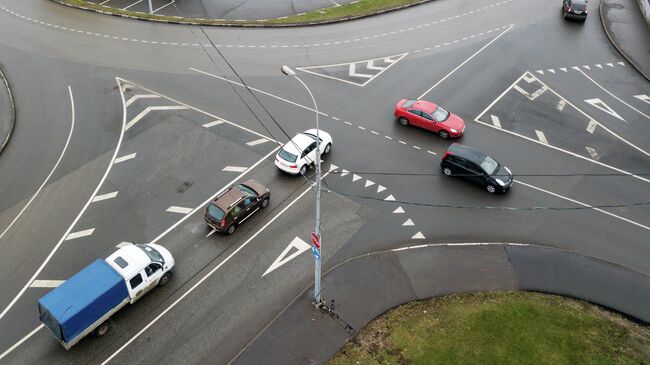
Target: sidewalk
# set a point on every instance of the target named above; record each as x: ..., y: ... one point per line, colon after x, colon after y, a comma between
x: 7, y: 112
x: 369, y: 285
x: 628, y: 31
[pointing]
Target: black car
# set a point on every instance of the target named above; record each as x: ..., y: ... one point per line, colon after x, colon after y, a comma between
x: 574, y: 9
x: 460, y: 160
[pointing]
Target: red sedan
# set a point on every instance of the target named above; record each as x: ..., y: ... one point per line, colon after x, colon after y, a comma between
x: 427, y: 115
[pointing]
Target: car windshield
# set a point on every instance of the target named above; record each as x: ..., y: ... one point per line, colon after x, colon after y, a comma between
x: 287, y: 156
x: 153, y: 254
x: 440, y: 114
x: 215, y: 212
x: 489, y: 165
x: 248, y: 191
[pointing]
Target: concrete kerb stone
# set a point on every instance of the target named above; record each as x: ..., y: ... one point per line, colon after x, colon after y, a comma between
x: 617, y: 46
x: 11, y: 123
x: 231, y: 23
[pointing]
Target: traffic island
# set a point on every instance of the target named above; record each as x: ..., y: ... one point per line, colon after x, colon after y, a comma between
x: 334, y: 14
x: 7, y: 112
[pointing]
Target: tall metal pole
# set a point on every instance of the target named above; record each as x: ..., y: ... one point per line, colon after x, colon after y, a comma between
x: 317, y: 270
x: 150, y: 7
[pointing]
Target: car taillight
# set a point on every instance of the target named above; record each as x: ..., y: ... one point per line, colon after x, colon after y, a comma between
x: 570, y: 8
x: 445, y: 155
x: 293, y: 166
x: 223, y: 222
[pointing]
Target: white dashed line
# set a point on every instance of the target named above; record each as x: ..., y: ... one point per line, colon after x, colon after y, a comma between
x: 257, y: 141
x: 234, y: 169
x: 46, y: 283
x: 80, y: 234
x: 124, y: 158
x: 98, y: 198
x: 212, y: 124
x: 179, y: 210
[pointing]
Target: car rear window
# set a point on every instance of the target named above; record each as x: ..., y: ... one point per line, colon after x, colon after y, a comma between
x: 287, y: 156
x: 408, y: 103
x: 215, y: 212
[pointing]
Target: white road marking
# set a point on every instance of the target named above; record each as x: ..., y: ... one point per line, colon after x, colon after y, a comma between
x: 135, y: 3
x: 391, y: 60
x: 213, y: 231
x: 212, y: 124
x: 79, y: 234
x: 355, y: 177
x: 353, y: 72
x: 123, y: 244
x: 592, y: 153
x: 104, y: 197
x: 464, y: 62
x: 458, y: 245
x: 140, y: 96
x: 540, y: 72
x: 587, y: 67
x: 541, y: 137
x: 614, y: 96
x: 418, y: 236
x: 563, y: 69
x: 46, y: 283
x: 599, y: 65
x: 591, y: 127
x: 124, y: 158
x: 560, y: 105
x: 534, y: 95
x: 211, y: 272
x: 399, y: 210
x: 380, y: 189
x: 234, y: 169
x: 599, y: 104
x: 298, y: 246
x: 390, y: 198
x: 621, y: 63
x: 180, y: 210
x: 164, y: 6
x: 495, y: 121
x: 9, y: 350
x: 148, y: 109
x: 584, y: 205
x: 369, y: 183
x: 643, y: 97
x: 344, y: 172
x: 408, y: 223
x: 333, y: 167
x: 610, y: 64
x: 431, y: 152
x: 551, y: 70
x: 47, y: 178
x: 257, y: 141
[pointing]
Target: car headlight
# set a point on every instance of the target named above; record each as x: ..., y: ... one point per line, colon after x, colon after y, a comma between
x: 454, y: 130
x: 500, y: 182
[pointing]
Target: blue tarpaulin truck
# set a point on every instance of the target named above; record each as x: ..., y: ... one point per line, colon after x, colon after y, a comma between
x: 85, y: 302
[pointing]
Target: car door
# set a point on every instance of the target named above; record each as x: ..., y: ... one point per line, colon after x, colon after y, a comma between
x: 476, y: 173
x: 251, y: 205
x: 429, y: 123
x: 415, y: 117
x: 310, y: 153
x: 137, y: 286
x: 239, y: 212
x: 456, y: 165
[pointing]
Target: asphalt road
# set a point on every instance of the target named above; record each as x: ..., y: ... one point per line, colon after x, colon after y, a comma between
x: 94, y: 163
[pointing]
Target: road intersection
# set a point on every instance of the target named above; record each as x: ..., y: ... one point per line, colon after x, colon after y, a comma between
x: 128, y: 129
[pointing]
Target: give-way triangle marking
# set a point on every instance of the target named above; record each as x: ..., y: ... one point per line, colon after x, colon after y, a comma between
x: 296, y: 247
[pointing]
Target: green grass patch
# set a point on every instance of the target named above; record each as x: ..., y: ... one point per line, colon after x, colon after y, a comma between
x: 361, y: 8
x: 498, y: 328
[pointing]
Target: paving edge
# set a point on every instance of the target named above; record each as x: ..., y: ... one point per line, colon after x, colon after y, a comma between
x: 234, y: 23
x: 373, y: 253
x: 611, y: 40
x: 4, y: 143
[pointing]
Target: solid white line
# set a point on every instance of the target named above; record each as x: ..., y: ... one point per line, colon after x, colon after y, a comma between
x: 584, y: 205
x: 209, y: 274
x: 49, y: 257
x: 123, y: 244
x: 21, y: 341
x: 105, y: 196
x: 464, y: 62
x: 525, y: 74
x: 180, y: 210
x: 79, y: 234
x: 46, y: 283
x: 234, y: 169
x: 135, y: 3
x: 124, y: 158
x: 164, y: 6
x: 459, y: 245
x: 257, y: 141
x: 212, y: 124
x: 541, y: 136
x: 612, y: 95
x: 56, y: 164
x: 140, y: 96
x: 150, y: 109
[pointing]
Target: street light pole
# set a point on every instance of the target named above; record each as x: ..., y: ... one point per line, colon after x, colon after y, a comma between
x: 150, y: 7
x: 317, y: 253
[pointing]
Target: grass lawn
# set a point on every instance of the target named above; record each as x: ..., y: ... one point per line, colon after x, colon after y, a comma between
x: 363, y: 7
x: 498, y: 328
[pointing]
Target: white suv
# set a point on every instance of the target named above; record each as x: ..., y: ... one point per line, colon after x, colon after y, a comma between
x: 297, y: 155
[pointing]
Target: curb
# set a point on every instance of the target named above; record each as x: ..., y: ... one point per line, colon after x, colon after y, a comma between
x: 4, y: 143
x: 233, y: 23
x: 618, y: 48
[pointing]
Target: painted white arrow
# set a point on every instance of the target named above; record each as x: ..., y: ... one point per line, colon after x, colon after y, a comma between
x: 297, y: 245
x: 643, y: 97
x: 599, y: 104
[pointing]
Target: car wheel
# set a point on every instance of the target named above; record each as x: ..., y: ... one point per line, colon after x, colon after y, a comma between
x: 265, y: 203
x: 328, y: 148
x: 446, y: 171
x: 231, y: 229
x: 443, y: 134
x: 403, y: 121
x: 491, y: 189
x: 303, y: 169
x: 102, y: 329
x: 165, y: 278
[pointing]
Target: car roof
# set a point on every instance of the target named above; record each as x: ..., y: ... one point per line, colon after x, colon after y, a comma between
x: 229, y: 198
x: 427, y: 106
x: 298, y: 144
x: 134, y: 257
x: 466, y: 152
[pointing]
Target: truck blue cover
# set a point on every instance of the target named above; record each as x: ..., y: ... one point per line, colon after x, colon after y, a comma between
x: 80, y: 301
